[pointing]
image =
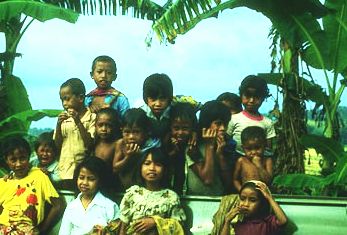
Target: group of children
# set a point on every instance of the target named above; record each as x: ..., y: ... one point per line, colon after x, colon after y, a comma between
x: 153, y: 153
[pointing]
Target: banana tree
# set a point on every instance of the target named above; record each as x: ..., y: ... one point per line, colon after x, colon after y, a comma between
x: 15, y: 18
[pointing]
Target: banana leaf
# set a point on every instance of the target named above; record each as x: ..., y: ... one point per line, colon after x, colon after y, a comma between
x: 35, y: 9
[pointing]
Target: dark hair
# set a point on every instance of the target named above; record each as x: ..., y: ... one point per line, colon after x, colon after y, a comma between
x: 257, y: 83
x: 211, y: 111
x: 12, y: 143
x: 184, y: 111
x: 76, y: 85
x: 46, y: 138
x: 157, y: 85
x: 104, y: 58
x: 137, y: 117
x: 264, y: 208
x: 233, y: 99
x: 158, y: 156
x: 253, y: 132
x: 99, y: 168
x: 112, y: 113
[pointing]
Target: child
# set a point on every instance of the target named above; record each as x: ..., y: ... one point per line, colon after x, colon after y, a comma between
x: 183, y: 122
x: 47, y: 154
x: 253, y: 165
x: 157, y: 94
x: 145, y: 207
x: 107, y: 131
x: 232, y: 101
x: 75, y: 128
x: 104, y: 72
x: 91, y: 207
x: 253, y: 92
x: 23, y: 197
x: 136, y: 140
x: 254, y: 207
x: 207, y: 165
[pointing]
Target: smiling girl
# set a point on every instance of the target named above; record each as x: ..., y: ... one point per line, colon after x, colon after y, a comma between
x: 90, y: 208
x: 146, y: 207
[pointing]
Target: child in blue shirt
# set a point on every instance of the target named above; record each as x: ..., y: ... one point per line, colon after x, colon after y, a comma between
x: 104, y: 72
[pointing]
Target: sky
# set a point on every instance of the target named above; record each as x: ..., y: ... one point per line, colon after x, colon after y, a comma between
x: 211, y: 59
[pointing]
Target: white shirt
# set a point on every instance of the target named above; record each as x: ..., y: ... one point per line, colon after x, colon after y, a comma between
x: 79, y: 221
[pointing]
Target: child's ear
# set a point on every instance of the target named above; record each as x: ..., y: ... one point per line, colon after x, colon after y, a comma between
x: 91, y: 74
x: 115, y: 77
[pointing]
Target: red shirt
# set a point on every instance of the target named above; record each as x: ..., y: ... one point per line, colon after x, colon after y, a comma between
x: 266, y: 226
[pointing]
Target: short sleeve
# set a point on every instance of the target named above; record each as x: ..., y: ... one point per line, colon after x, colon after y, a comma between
x: 230, y: 128
x: 48, y: 189
x: 121, y: 105
x: 177, y: 211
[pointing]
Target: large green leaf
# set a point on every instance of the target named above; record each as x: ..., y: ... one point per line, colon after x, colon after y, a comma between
x: 35, y: 9
x: 31, y: 115
x: 328, y: 147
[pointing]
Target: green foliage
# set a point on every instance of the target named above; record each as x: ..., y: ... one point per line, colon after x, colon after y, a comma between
x: 35, y: 9
x: 331, y: 184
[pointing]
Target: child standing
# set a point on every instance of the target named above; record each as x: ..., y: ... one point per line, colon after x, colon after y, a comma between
x: 136, y: 140
x: 157, y: 94
x: 75, y: 128
x: 253, y: 92
x: 183, y: 122
x: 90, y: 208
x: 47, y: 154
x: 146, y: 207
x: 207, y: 170
x: 254, y: 207
x: 253, y: 165
x: 232, y: 101
x: 23, y: 197
x: 107, y: 132
x: 104, y: 72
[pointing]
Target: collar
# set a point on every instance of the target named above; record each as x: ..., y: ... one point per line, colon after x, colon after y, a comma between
x: 250, y: 116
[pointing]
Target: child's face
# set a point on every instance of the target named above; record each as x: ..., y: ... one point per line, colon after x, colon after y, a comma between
x: 181, y: 130
x: 251, y: 101
x: 219, y: 126
x: 151, y: 171
x: 18, y: 162
x: 45, y: 154
x: 253, y: 148
x: 87, y: 182
x: 157, y: 105
x: 104, y: 74
x: 103, y: 126
x: 69, y: 100
x: 134, y: 135
x: 249, y: 202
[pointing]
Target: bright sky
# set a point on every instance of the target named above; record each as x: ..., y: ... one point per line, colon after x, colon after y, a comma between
x: 210, y: 59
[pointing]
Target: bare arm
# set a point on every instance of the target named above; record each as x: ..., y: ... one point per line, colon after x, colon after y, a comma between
x: 123, y: 228
x: 228, y: 218
x: 237, y: 175
x: 225, y: 173
x: 205, y: 169
x: 122, y: 157
x: 264, y: 167
x: 53, y: 215
x: 58, y: 137
x: 86, y: 137
x: 280, y: 215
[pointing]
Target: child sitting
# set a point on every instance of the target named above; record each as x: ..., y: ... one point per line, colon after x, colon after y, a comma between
x: 104, y: 72
x: 253, y: 165
x: 149, y: 205
x: 232, y: 101
x: 183, y: 122
x: 75, y: 128
x: 136, y: 140
x: 253, y: 212
x: 23, y: 197
x: 253, y: 91
x: 207, y: 170
x: 91, y: 207
x: 107, y: 132
x: 47, y: 155
x: 157, y: 94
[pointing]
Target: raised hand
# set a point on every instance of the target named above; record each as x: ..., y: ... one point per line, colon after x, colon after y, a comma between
x: 131, y: 149
x: 262, y: 187
x: 220, y: 143
x: 209, y: 135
